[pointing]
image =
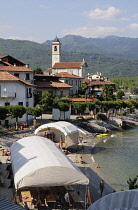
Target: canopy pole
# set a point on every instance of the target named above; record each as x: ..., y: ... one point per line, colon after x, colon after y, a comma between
x: 86, y: 197
x: 89, y: 198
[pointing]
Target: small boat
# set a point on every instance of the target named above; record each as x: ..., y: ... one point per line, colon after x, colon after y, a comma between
x: 102, y: 134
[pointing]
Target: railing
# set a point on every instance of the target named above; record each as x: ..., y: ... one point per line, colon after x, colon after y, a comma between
x: 7, y: 95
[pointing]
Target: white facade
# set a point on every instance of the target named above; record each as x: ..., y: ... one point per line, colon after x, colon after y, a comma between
x: 60, y: 115
x: 56, y: 51
x: 16, y: 93
x: 27, y: 76
x: 81, y: 72
x: 75, y: 83
x: 96, y: 76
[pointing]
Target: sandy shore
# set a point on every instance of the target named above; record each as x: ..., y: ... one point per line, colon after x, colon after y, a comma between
x: 90, y: 169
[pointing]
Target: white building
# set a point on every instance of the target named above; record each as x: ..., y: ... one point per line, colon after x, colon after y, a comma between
x: 16, y: 86
x: 71, y: 79
x: 76, y: 68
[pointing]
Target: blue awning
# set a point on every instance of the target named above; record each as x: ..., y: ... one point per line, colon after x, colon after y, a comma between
x: 5, y: 204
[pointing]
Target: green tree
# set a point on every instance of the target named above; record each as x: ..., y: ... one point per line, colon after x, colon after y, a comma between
x: 16, y: 112
x: 84, y: 87
x: 79, y: 106
x: 133, y: 89
x: 120, y: 94
x: 38, y: 70
x: 35, y: 112
x: 108, y: 92
x: 46, y: 101
x: 37, y: 96
x: 3, y: 112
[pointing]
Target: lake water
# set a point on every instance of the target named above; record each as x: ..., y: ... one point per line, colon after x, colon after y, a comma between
x: 118, y: 158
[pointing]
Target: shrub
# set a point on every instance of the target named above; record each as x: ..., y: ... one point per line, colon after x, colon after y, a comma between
x: 101, y: 116
x: 12, y: 128
x: 122, y: 113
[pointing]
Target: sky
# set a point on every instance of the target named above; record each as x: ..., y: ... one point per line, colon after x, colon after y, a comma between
x: 41, y: 20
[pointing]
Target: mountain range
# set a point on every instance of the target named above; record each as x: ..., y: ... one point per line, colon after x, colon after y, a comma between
x: 112, y: 56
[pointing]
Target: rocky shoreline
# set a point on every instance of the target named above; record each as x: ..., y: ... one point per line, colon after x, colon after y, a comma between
x: 116, y: 123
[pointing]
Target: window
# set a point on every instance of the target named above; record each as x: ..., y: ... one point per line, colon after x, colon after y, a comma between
x: 16, y: 74
x: 71, y: 82
x: 29, y: 92
x: 76, y: 82
x: 7, y: 104
x: 55, y: 48
x: 20, y: 103
x: 27, y: 76
x: 27, y: 104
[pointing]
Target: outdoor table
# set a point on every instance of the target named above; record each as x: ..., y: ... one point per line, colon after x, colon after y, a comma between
x: 26, y: 196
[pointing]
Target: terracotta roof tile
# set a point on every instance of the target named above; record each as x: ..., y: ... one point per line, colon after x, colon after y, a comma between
x: 67, y: 65
x: 67, y: 75
x: 48, y: 70
x: 52, y: 84
x: 45, y: 75
x: 98, y: 82
x: 26, y: 82
x: 6, y: 76
x: 15, y: 68
x: 83, y: 99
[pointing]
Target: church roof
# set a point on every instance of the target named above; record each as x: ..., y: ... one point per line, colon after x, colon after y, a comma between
x: 48, y: 70
x: 68, y: 65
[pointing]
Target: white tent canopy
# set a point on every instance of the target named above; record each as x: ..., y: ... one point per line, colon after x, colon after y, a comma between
x: 38, y: 162
x: 65, y: 127
x: 127, y: 200
x: 68, y: 131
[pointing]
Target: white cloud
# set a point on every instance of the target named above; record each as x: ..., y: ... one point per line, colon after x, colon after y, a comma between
x: 93, y: 32
x: 110, y: 14
x: 134, y: 26
x: 43, y: 6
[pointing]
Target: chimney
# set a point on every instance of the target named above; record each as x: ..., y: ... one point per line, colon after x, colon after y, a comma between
x: 27, y: 65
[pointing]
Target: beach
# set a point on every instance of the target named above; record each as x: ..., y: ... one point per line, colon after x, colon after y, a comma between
x: 86, y: 152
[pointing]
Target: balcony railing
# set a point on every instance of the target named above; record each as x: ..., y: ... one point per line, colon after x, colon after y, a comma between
x: 7, y: 95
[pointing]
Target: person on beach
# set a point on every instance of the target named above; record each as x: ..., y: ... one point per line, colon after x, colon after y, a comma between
x: 97, y: 166
x: 101, y: 187
x: 81, y: 160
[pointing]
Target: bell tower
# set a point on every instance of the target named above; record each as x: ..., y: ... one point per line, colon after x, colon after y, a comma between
x: 56, y: 51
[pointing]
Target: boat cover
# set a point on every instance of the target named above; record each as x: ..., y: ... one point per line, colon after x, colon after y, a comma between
x: 124, y: 200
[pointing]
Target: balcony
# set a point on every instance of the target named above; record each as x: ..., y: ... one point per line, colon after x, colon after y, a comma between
x: 7, y: 94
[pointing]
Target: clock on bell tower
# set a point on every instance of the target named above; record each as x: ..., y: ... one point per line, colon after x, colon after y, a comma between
x: 56, y: 51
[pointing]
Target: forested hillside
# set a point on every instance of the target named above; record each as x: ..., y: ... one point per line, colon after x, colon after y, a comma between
x: 112, y: 46
x: 39, y: 55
